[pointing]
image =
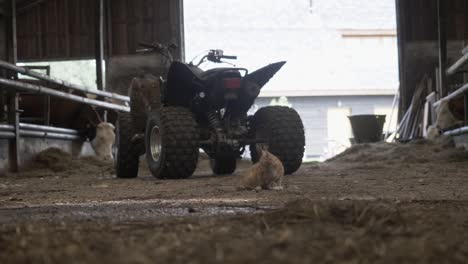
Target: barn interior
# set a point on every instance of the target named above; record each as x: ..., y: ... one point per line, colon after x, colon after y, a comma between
x: 107, y: 32
x: 403, y: 201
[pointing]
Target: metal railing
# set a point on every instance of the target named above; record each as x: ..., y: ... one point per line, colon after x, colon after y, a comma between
x: 14, y: 130
x: 43, y: 77
x: 27, y: 87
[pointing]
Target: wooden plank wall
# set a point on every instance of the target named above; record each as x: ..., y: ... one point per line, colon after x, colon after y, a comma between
x: 3, y: 42
x: 56, y: 30
x: 418, y: 40
x: 133, y: 21
x: 65, y: 29
x: 421, y: 19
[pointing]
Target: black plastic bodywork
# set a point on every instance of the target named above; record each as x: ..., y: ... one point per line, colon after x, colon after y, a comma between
x: 220, y: 112
x: 184, y: 82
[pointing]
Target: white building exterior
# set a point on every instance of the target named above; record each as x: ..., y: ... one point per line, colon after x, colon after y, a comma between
x: 341, y: 59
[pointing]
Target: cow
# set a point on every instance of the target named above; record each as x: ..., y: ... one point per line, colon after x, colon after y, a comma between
x: 447, y: 118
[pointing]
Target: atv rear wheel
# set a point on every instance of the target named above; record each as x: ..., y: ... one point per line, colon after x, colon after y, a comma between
x: 283, y: 130
x: 127, y: 156
x: 224, y: 165
x: 171, y: 140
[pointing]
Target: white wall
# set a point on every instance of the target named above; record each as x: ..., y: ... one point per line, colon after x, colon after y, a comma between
x: 318, y: 56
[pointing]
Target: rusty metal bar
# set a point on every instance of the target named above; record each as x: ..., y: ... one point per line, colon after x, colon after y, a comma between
x: 50, y: 135
x: 40, y: 131
x: 27, y: 87
x: 7, y: 135
x: 39, y: 134
x: 48, y: 129
x: 457, y: 65
x: 457, y: 132
x: 7, y: 128
x: 27, y: 72
x: 459, y: 92
x: 23, y: 126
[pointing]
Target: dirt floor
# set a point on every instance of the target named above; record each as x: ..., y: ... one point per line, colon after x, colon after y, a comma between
x: 375, y: 203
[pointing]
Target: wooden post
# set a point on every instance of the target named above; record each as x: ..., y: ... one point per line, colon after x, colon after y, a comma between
x: 442, y: 31
x: 3, y: 55
x: 46, y: 110
x: 401, y: 41
x: 3, y: 31
x: 99, y: 43
x: 3, y: 104
x: 12, y: 98
x: 108, y: 16
x: 13, y: 119
x: 466, y: 108
x: 11, y: 31
x: 180, y: 20
x: 47, y: 103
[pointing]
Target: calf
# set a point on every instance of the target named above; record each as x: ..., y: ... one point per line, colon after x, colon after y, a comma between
x: 104, y: 140
x: 445, y: 120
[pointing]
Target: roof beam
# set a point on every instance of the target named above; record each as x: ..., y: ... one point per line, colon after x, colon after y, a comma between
x: 25, y: 5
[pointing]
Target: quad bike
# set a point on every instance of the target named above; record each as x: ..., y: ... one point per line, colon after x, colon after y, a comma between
x: 173, y: 117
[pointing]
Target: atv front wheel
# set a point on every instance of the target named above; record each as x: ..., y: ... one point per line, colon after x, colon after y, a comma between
x: 127, y: 155
x: 223, y: 165
x: 171, y: 141
x: 283, y: 130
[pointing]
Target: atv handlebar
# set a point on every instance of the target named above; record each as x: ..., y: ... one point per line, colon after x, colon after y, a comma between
x: 229, y: 57
x: 215, y: 56
x: 162, y: 49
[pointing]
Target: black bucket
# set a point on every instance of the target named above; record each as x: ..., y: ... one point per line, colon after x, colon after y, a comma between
x: 367, y: 128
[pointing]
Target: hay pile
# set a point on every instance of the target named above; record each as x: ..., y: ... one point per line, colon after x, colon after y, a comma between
x: 55, y: 162
x: 419, y: 151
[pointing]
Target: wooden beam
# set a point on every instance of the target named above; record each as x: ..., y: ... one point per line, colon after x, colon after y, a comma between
x: 28, y: 5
